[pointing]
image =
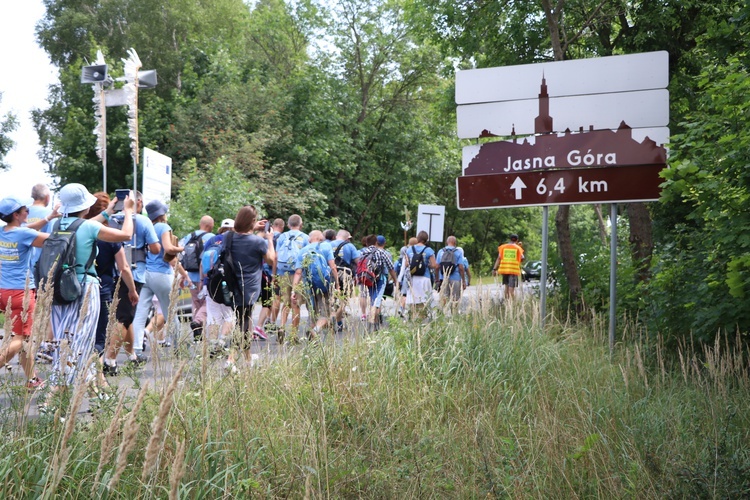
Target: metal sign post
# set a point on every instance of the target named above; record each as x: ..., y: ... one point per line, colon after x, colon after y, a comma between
x: 568, y: 132
x: 612, y: 277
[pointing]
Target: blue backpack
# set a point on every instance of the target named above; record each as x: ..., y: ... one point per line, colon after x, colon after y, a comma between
x: 317, y: 272
x: 287, y: 251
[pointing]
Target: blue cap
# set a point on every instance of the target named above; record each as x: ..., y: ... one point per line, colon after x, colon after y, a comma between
x: 381, y: 240
x: 155, y: 208
x: 12, y: 203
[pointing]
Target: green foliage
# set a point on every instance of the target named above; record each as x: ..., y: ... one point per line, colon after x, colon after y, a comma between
x: 703, y: 275
x: 8, y: 124
x: 219, y: 190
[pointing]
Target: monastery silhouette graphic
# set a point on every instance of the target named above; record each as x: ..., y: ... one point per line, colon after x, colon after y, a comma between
x: 551, y: 150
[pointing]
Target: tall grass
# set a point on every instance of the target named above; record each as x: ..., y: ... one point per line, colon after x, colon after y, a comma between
x: 476, y: 405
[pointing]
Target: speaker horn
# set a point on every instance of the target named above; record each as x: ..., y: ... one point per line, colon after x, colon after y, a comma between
x: 94, y: 74
x: 147, y: 79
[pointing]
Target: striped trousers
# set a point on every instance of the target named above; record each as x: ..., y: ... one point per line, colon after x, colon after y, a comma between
x: 74, y: 335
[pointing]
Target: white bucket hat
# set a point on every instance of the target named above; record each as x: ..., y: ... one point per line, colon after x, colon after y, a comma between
x: 74, y: 198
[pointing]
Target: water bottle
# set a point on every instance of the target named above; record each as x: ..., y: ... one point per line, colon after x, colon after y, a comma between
x: 226, y: 293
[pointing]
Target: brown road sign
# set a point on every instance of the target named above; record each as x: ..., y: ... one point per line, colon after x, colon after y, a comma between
x: 560, y: 187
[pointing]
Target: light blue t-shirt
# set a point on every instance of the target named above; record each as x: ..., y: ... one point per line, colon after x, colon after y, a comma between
x: 195, y: 275
x: 37, y: 213
x: 303, y: 261
x: 15, y: 246
x: 349, y: 252
x: 428, y: 252
x: 321, y: 247
x: 301, y: 240
x: 143, y: 235
x: 459, y: 254
x: 86, y: 236
x: 155, y: 263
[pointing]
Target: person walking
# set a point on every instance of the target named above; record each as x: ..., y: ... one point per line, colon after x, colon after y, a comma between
x: 16, y: 243
x: 508, y: 265
x: 248, y: 251
x: 159, y: 274
x: 315, y: 268
x: 420, y: 260
x: 73, y: 325
x: 194, y: 243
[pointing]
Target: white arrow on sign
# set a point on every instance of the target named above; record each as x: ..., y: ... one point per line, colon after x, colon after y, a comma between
x: 518, y: 185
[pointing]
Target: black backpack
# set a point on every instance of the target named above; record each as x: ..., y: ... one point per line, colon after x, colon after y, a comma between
x: 448, y: 261
x: 417, y: 265
x: 341, y: 265
x: 59, y: 253
x: 191, y: 256
x: 222, y: 278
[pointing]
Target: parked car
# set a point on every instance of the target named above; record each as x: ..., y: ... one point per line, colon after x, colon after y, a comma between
x: 532, y: 270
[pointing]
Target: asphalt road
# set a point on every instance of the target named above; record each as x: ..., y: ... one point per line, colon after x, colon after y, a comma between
x: 163, y: 361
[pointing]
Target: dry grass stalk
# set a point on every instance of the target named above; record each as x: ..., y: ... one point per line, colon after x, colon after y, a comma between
x: 178, y: 470
x: 128, y: 438
x: 40, y: 325
x: 26, y: 300
x: 60, y: 460
x: 157, y: 427
x: 112, y: 323
x: 108, y: 441
x: 7, y: 327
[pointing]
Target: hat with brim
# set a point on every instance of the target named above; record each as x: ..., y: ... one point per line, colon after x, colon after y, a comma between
x: 156, y: 209
x: 12, y: 203
x: 227, y: 223
x: 75, y: 198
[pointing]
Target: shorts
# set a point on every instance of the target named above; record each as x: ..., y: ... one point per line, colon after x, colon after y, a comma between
x: 511, y: 280
x: 218, y: 314
x: 285, y: 289
x: 453, y: 289
x: 319, y: 302
x: 125, y: 310
x: 15, y: 297
x: 375, y: 293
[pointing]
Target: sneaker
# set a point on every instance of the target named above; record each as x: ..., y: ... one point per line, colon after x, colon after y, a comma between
x: 165, y: 343
x: 259, y: 333
x: 197, y: 329
x: 35, y: 383
x: 340, y: 327
x: 231, y: 369
x: 280, y: 335
x: 109, y: 370
x: 140, y: 359
x: 363, y: 317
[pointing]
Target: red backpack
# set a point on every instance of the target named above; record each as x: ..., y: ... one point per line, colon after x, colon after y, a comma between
x: 366, y: 273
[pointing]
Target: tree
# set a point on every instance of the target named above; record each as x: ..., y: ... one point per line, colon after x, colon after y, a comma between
x: 8, y: 124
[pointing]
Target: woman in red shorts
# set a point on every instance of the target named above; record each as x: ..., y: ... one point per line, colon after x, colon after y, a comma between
x: 15, y: 249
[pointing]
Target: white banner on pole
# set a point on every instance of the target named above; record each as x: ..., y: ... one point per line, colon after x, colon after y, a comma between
x: 157, y: 176
x: 431, y: 218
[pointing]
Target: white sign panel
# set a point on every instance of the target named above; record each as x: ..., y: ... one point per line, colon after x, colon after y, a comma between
x: 157, y: 176
x: 625, y: 73
x: 431, y: 218
x: 648, y: 108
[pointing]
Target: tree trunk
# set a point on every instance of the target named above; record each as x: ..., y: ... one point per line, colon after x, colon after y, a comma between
x: 562, y: 219
x: 565, y: 248
x: 602, y: 226
x: 641, y: 239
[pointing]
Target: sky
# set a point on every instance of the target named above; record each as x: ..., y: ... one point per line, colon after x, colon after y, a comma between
x: 24, y: 78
